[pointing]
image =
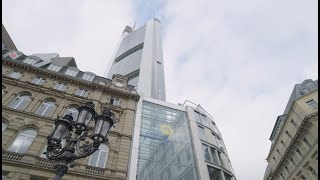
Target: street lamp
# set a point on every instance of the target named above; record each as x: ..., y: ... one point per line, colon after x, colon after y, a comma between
x: 77, y: 138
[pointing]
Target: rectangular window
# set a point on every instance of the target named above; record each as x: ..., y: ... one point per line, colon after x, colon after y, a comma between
x: 204, y: 120
x: 38, y: 80
x: 214, y: 155
x: 29, y: 61
x: 15, y: 74
x: 54, y: 68
x: 119, y: 83
x: 313, y: 104
x: 202, y: 134
x: 198, y: 119
x: 71, y: 72
x: 82, y: 92
x: 87, y: 77
x: 206, y: 152
x: 115, y: 101
x: 60, y: 87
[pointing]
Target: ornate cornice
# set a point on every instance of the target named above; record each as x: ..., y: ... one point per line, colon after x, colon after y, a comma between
x: 124, y: 92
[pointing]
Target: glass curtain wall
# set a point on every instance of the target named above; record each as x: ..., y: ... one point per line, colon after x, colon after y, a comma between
x: 165, y: 151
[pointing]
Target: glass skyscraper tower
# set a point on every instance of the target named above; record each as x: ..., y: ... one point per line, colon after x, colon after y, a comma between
x: 138, y: 56
x: 170, y: 141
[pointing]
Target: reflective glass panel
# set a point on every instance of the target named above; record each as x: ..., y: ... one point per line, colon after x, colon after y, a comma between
x: 164, y: 144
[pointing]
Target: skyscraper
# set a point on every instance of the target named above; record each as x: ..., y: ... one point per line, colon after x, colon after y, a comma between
x: 138, y: 56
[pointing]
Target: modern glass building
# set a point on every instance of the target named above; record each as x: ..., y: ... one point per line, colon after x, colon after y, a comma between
x: 170, y: 141
x: 177, y: 142
x: 138, y: 56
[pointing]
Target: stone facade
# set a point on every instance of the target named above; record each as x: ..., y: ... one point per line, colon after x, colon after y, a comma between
x: 30, y: 165
x: 294, y: 151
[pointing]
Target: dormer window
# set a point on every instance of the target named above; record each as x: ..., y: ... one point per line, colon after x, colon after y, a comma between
x: 54, y: 68
x: 15, y: 74
x: 119, y: 83
x: 87, y: 77
x: 71, y: 72
x: 30, y: 61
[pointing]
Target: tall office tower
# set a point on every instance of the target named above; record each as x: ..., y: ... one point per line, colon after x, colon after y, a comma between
x: 294, y: 150
x: 138, y: 56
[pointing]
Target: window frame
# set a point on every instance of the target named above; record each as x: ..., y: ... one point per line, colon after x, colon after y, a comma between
x: 13, y: 74
x: 87, y: 77
x: 61, y: 85
x: 99, y: 157
x: 19, y: 97
x: 26, y: 136
x: 54, y: 67
x: 71, y: 72
x: 82, y: 91
x: 47, y: 107
x: 40, y: 80
x: 312, y: 104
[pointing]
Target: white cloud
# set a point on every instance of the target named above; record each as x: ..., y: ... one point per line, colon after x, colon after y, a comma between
x: 238, y: 59
x: 81, y: 29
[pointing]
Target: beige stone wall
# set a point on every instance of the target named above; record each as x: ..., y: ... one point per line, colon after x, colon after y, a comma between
x: 294, y: 154
x: 30, y: 165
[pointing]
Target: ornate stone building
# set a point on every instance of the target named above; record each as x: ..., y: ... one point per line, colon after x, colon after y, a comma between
x: 35, y: 92
x: 294, y: 150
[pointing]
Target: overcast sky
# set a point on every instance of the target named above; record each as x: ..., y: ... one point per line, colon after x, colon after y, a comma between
x: 239, y: 59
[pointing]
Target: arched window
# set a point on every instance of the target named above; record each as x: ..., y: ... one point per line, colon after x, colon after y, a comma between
x: 23, y: 141
x: 4, y: 126
x: 73, y: 111
x: 46, y: 108
x: 21, y: 102
x: 99, y: 158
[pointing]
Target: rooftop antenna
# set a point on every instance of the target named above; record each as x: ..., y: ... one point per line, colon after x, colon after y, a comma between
x: 134, y: 25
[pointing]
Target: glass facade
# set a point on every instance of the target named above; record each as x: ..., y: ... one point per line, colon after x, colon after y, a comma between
x: 165, y: 150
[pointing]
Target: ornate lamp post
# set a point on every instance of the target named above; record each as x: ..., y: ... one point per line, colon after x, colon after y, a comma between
x: 78, y: 143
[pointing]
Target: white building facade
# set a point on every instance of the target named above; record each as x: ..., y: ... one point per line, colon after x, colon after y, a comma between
x: 138, y: 56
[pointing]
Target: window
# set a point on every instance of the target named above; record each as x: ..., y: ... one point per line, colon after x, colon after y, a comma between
x: 278, y: 152
x: 214, y: 155
x: 23, y: 141
x: 293, y: 162
x: 294, y: 123
x: 299, y: 152
x: 312, y: 104
x: 99, y: 158
x: 115, y: 101
x: 38, y: 80
x: 202, y: 119
x: 73, y: 111
x: 4, y: 126
x: 82, y: 92
x: 20, y: 102
x: 15, y: 74
x: 288, y: 134
x: 87, y: 77
x: 305, y: 140
x: 60, y: 87
x: 71, y: 72
x: 214, y: 174
x: 119, y: 83
x: 13, y: 55
x: 202, y: 134
x: 287, y: 169
x: 54, y: 68
x: 206, y: 152
x: 30, y: 61
x: 3, y: 90
x: 46, y: 108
